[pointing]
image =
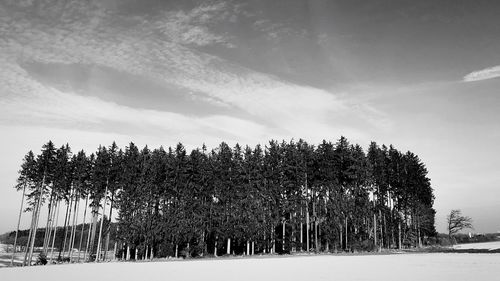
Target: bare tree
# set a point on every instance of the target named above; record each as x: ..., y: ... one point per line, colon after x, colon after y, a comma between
x: 457, y: 222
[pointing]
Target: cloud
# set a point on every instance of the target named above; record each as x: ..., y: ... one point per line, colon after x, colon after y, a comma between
x: 192, y: 27
x: 47, y: 106
x: 278, y: 109
x: 276, y: 31
x: 487, y: 73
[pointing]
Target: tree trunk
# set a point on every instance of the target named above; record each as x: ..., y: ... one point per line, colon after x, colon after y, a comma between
x: 74, y: 228
x: 418, y: 234
x: 64, y: 228
x: 341, y: 238
x: 301, y: 231
x: 399, y: 235
x: 29, y: 237
x: 318, y: 226
x: 83, y: 227
x: 307, y: 216
x: 228, y: 249
x: 62, y: 248
x: 115, y: 247
x: 88, y: 242
x: 283, y: 237
x: 34, y: 232
x: 315, y: 225
x: 48, y: 225
x: 55, y: 232
x: 18, y: 223
x: 53, y: 223
x: 71, y: 226
x: 307, y: 227
x: 205, y: 246
x: 95, y: 214
x: 393, y: 236
x: 108, y: 229
x: 346, y: 241
x: 39, y: 206
x: 102, y: 221
x: 273, y: 240
x: 316, y: 244
x: 374, y: 230
x: 52, y: 213
x: 215, y: 247
x: 67, y: 229
x: 293, y: 235
x: 266, y: 242
x: 383, y: 229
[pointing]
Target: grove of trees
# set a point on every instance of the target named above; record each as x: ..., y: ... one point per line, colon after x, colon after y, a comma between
x: 279, y: 198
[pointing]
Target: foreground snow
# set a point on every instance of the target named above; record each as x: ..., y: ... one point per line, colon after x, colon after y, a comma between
x: 435, y: 266
x: 487, y: 246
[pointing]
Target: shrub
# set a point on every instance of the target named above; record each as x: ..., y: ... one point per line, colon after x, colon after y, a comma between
x: 42, y: 259
x: 363, y: 246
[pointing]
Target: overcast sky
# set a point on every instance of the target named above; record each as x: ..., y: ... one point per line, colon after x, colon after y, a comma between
x: 421, y: 75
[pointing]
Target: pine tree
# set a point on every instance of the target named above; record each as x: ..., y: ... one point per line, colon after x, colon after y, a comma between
x: 62, y: 187
x: 114, y: 184
x: 127, y: 199
x: 101, y: 187
x: 25, y: 181
x: 45, y: 170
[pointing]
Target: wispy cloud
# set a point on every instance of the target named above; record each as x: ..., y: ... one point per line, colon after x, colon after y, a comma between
x: 39, y: 105
x: 487, y: 73
x: 192, y: 27
x: 283, y: 109
x: 275, y: 31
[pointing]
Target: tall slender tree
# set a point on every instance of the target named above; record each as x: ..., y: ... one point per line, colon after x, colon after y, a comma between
x: 26, y: 181
x: 45, y: 167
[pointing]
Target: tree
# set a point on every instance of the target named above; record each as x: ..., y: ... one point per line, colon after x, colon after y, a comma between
x: 101, y: 182
x: 45, y: 167
x: 127, y: 199
x: 113, y: 183
x: 62, y: 184
x: 457, y: 222
x: 26, y: 176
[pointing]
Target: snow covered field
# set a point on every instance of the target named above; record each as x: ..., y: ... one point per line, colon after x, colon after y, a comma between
x: 486, y: 246
x: 434, y: 266
x: 6, y: 255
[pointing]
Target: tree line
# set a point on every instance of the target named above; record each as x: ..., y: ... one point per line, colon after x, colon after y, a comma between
x: 279, y: 198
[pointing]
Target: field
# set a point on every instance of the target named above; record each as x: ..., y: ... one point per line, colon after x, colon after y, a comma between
x: 6, y: 256
x: 435, y: 266
x: 386, y: 267
x: 479, y: 246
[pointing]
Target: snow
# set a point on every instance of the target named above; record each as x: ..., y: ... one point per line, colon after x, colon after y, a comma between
x: 6, y: 256
x: 487, y: 246
x: 400, y: 267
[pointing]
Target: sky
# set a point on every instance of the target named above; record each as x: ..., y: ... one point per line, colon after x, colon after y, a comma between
x: 421, y: 75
